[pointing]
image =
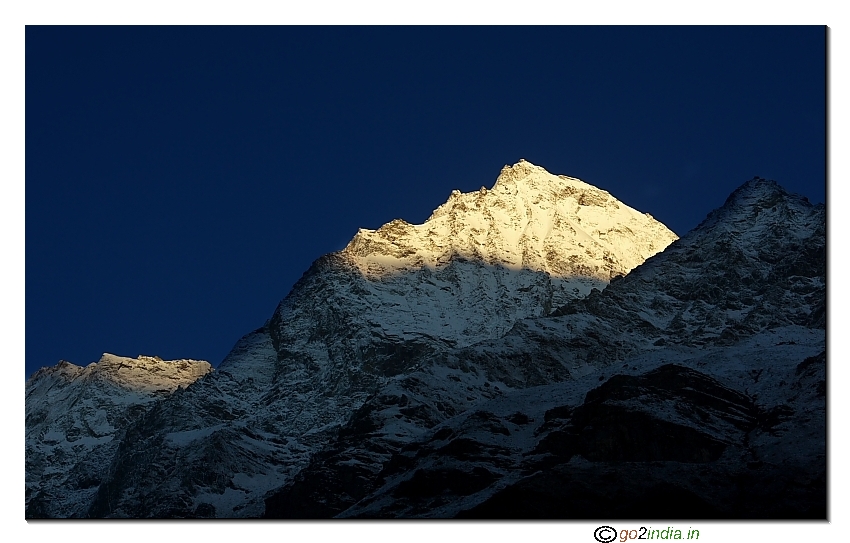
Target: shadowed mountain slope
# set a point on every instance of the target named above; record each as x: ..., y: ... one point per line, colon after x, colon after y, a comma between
x: 363, y: 318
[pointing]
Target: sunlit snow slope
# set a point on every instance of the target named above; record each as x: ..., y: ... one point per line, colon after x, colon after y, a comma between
x: 393, y: 299
x: 727, y: 324
x: 488, y: 258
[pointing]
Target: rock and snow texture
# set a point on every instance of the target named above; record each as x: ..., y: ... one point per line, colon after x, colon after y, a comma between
x: 719, y: 432
x: 488, y: 305
x: 391, y: 300
x: 754, y: 266
x: 75, y: 416
x: 530, y: 219
x: 526, y: 246
x: 757, y: 262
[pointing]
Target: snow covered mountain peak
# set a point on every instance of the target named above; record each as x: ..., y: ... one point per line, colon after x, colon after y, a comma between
x: 76, y: 415
x: 757, y: 212
x: 740, y: 296
x: 433, y: 333
x: 757, y: 189
x: 530, y: 244
x: 146, y: 374
x: 530, y: 220
x: 526, y: 177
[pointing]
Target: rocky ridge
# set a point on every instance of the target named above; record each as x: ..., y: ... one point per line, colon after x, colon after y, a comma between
x: 75, y: 417
x: 452, y: 368
x: 755, y: 266
x: 722, y: 432
x: 578, y: 236
x: 359, y: 319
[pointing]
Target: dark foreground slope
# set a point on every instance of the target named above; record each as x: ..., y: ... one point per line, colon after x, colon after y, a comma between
x: 670, y: 442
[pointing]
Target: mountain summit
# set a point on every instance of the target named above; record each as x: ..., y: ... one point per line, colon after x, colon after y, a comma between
x: 75, y: 417
x: 486, y: 259
x: 393, y: 300
x: 424, y: 367
x: 533, y: 220
x: 693, y: 387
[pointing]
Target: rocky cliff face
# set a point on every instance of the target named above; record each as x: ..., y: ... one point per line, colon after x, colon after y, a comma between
x: 75, y: 417
x: 426, y: 368
x: 753, y: 268
x: 756, y: 263
x: 723, y: 432
x: 528, y: 245
x: 358, y: 321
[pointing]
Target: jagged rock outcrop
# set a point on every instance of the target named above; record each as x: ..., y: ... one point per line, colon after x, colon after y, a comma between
x: 650, y: 442
x: 76, y: 416
x: 561, y: 235
x: 756, y: 263
x: 454, y: 367
x: 358, y: 320
x: 754, y: 266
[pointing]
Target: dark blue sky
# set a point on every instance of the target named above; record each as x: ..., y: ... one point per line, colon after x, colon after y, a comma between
x: 180, y: 180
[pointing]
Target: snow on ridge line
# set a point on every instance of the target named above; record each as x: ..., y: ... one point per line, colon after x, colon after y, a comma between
x: 142, y: 374
x: 530, y: 219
